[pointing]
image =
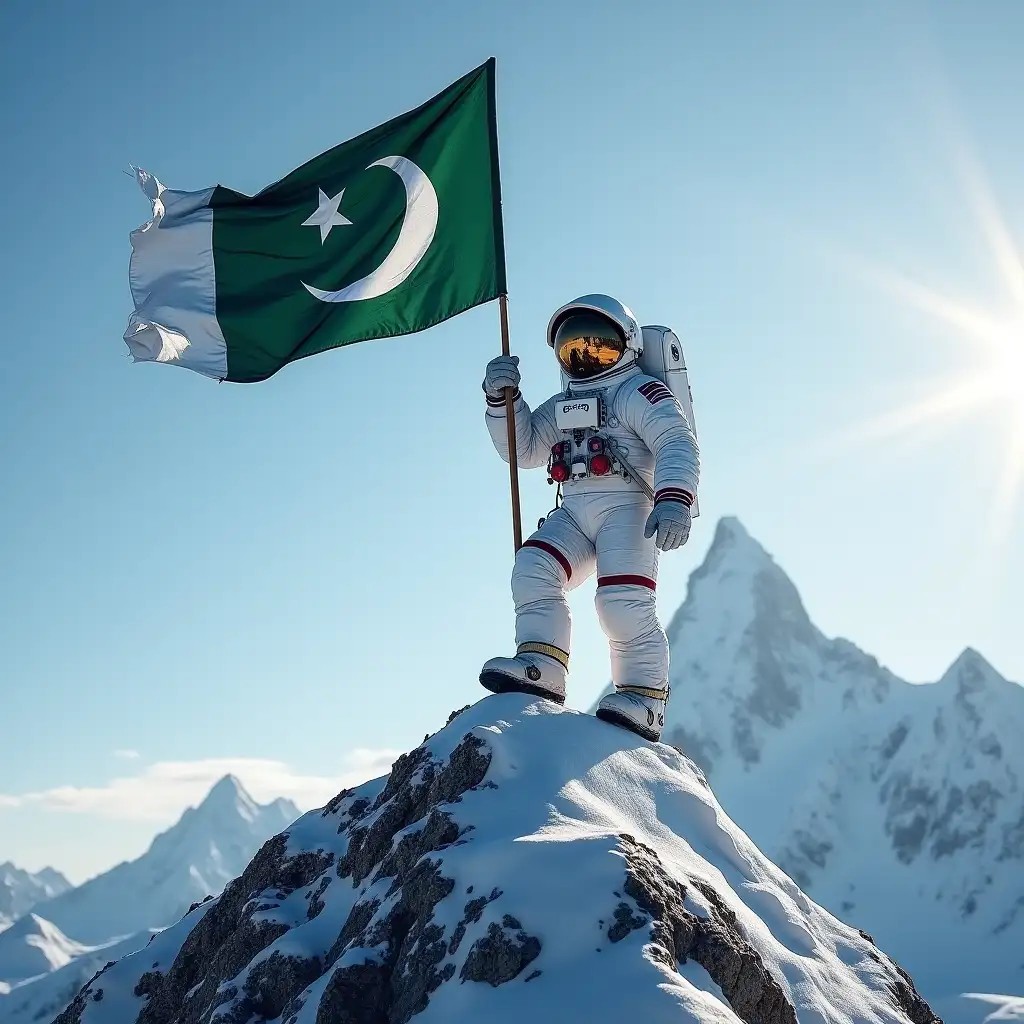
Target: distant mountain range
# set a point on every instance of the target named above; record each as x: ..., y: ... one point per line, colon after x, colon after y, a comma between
x: 58, y: 941
x: 22, y: 890
x: 898, y: 807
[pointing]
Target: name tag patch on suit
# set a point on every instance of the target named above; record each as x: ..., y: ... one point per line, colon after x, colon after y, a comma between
x: 577, y: 413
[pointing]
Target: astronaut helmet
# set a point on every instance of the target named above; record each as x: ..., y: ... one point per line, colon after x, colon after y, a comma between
x: 592, y: 335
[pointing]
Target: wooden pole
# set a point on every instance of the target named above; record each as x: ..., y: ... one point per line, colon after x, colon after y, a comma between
x: 510, y: 420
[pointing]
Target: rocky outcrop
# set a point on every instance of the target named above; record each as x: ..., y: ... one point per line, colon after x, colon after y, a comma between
x: 384, y: 963
x: 716, y: 942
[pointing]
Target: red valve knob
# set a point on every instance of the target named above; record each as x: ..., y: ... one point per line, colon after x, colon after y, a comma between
x: 559, y: 471
x: 600, y: 464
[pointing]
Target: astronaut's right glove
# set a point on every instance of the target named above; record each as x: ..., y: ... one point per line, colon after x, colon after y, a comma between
x: 502, y: 372
x: 670, y: 520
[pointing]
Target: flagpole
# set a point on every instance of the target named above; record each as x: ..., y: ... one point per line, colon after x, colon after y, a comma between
x: 510, y: 421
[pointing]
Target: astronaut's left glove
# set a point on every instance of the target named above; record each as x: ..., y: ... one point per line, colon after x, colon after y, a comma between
x: 670, y: 520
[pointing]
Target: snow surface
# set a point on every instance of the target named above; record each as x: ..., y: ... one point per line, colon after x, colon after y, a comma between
x: 899, y: 807
x: 544, y: 829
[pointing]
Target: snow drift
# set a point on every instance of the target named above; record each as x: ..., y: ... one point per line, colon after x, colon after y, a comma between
x: 525, y: 862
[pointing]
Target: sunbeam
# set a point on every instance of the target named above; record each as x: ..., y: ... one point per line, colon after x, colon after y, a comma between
x: 990, y: 380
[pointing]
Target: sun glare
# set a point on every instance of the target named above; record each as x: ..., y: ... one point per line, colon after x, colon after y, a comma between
x: 991, y: 378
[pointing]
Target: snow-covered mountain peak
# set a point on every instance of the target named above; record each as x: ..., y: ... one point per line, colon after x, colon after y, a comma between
x: 971, y: 674
x: 897, y: 804
x: 20, y: 890
x: 193, y: 859
x: 739, y: 587
x: 229, y: 796
x: 747, y: 660
x: 525, y: 862
x: 33, y: 946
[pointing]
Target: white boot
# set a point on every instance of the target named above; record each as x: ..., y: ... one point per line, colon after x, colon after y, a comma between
x: 527, y: 672
x: 637, y: 708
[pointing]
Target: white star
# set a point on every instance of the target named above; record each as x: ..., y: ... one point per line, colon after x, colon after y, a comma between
x: 326, y: 215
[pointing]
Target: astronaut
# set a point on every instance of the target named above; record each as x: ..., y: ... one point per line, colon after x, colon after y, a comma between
x: 611, y: 439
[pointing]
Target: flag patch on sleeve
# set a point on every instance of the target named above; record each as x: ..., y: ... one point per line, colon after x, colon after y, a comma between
x: 654, y: 391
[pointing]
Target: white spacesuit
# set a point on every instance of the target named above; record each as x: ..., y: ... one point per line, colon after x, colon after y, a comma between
x: 610, y: 426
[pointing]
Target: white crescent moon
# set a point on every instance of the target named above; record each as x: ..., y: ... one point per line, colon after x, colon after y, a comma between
x: 418, y: 227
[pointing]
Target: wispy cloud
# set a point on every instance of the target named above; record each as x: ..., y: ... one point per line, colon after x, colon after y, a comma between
x: 127, y: 755
x: 163, y: 790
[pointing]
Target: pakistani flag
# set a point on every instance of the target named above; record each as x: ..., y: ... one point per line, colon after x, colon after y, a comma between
x: 388, y: 234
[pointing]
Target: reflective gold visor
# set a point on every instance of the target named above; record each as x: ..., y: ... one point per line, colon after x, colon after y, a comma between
x: 587, y: 344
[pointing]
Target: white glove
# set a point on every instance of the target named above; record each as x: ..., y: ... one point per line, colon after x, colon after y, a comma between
x: 671, y: 521
x: 502, y: 372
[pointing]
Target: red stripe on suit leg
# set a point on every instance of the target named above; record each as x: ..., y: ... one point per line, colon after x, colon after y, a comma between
x: 554, y: 553
x: 626, y: 581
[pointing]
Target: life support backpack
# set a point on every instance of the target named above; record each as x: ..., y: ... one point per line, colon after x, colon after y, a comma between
x: 663, y: 358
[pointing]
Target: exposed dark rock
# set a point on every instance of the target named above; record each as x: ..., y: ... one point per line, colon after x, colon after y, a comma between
x: 471, y: 914
x: 455, y: 714
x: 357, y: 994
x: 907, y: 998
x: 332, y: 806
x: 625, y: 922
x: 717, y: 943
x: 501, y: 954
x: 405, y: 800
x: 438, y: 832
x: 894, y: 741
x: 358, y: 920
x: 269, y: 987
x: 408, y: 944
x: 316, y: 904
x: 391, y: 986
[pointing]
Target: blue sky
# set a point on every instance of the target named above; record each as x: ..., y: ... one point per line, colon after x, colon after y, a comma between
x: 293, y: 579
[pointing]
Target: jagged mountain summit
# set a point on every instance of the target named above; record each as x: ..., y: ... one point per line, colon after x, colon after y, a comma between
x: 897, y: 806
x: 524, y: 863
x: 21, y: 890
x: 210, y: 845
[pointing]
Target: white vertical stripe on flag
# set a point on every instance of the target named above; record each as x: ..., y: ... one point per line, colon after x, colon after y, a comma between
x: 174, y: 283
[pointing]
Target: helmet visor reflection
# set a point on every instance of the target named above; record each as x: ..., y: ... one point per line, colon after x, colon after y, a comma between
x: 587, y: 344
